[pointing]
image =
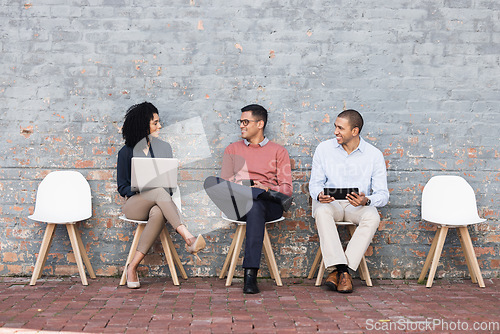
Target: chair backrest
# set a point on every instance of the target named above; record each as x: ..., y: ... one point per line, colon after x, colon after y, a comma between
x: 449, y: 200
x: 63, y: 197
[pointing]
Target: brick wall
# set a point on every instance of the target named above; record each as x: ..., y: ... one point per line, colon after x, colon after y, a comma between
x: 423, y: 74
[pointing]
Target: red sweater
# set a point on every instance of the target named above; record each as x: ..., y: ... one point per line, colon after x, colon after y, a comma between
x: 269, y: 165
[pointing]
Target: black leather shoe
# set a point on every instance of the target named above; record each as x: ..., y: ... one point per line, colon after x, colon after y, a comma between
x: 250, y: 281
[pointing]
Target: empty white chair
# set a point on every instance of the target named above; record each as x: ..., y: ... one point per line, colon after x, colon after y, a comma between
x: 63, y: 197
x: 449, y: 202
x: 235, y: 249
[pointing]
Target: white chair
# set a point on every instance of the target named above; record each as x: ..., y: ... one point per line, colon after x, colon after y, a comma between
x: 63, y: 197
x: 235, y: 249
x: 449, y: 202
x: 318, y: 261
x: 168, y: 246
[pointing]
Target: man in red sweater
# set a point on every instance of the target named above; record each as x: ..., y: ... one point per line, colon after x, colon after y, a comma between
x: 255, y: 186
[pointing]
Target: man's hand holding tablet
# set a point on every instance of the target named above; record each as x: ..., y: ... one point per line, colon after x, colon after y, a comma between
x: 357, y: 199
x: 353, y: 195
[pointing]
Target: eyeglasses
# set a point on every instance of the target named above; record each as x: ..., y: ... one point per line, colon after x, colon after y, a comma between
x: 245, y: 122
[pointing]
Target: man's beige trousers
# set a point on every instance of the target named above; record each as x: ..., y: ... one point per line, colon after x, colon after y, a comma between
x: 367, y: 219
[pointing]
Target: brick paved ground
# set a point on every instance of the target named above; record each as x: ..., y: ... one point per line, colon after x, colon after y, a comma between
x: 205, y: 305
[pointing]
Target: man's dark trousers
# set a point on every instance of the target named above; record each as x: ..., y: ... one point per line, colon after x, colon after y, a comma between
x: 241, y: 203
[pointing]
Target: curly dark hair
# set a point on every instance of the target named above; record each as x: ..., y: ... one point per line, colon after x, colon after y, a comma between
x: 136, y: 124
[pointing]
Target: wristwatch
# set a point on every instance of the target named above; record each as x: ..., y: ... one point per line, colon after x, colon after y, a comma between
x: 368, y: 202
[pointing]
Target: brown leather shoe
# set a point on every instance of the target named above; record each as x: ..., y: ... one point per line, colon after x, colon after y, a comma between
x: 332, y: 280
x: 344, y: 283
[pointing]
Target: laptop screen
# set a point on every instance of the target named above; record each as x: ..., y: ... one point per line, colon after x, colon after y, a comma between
x: 150, y: 173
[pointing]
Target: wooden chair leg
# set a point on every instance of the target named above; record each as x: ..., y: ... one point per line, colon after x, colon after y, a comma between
x: 133, y: 248
x: 364, y: 272
x: 321, y: 272
x: 76, y: 250
x: 168, y: 255
x: 468, y: 261
x: 315, y: 264
x: 272, y: 260
x: 428, y: 260
x: 469, y: 249
x: 48, y: 248
x: 85, y: 257
x: 229, y: 255
x: 268, y: 261
x: 437, y: 255
x: 175, y: 255
x: 361, y: 270
x: 42, y: 255
x: 267, y: 251
x: 239, y: 235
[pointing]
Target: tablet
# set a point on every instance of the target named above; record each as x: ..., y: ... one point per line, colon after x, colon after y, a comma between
x: 340, y: 193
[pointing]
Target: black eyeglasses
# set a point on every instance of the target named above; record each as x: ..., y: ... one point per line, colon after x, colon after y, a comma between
x: 245, y: 122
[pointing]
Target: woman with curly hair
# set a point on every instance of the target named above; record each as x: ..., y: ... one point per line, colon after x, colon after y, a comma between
x: 140, y: 130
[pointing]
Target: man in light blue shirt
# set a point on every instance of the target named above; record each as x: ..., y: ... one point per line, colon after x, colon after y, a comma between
x: 347, y: 161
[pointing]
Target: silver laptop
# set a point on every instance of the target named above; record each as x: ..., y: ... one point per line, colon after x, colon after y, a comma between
x: 149, y: 173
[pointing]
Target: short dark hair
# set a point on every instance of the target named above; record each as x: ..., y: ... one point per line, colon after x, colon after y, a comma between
x: 353, y: 117
x: 136, y: 124
x: 258, y: 112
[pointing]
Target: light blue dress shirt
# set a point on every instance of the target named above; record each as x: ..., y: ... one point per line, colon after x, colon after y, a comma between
x: 364, y: 168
